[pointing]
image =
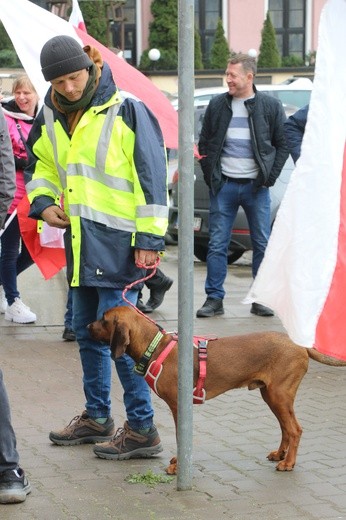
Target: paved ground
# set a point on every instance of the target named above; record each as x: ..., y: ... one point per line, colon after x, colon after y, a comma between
x: 232, y: 434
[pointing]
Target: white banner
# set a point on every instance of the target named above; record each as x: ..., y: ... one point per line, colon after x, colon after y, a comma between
x: 296, y: 274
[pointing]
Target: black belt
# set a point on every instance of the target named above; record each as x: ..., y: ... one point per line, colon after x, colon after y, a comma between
x: 238, y: 181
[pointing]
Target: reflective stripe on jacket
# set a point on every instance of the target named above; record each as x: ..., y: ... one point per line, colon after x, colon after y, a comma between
x: 113, y: 174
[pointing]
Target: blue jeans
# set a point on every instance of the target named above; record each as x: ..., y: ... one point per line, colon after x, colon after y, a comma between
x: 223, y: 210
x: 13, y: 262
x: 89, y: 304
x: 9, y: 457
x: 68, y: 312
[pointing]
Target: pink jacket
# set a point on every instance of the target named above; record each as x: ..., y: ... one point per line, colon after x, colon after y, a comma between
x: 19, y: 152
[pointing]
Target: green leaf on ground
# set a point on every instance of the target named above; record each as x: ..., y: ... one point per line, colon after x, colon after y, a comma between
x: 149, y: 478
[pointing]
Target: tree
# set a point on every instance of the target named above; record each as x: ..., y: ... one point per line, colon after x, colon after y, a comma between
x: 163, y: 35
x: 95, y: 19
x: 292, y: 61
x: 164, y: 27
x: 198, y: 52
x: 269, y: 56
x: 8, y: 55
x: 220, y: 51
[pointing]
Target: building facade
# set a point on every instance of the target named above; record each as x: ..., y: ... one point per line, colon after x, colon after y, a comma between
x: 295, y: 22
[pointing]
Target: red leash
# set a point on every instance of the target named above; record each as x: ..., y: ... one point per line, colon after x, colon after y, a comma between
x: 144, y: 279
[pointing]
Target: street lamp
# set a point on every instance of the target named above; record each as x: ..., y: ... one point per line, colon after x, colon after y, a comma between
x: 154, y: 55
x: 252, y: 53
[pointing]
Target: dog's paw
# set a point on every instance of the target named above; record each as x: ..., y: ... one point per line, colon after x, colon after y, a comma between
x: 276, y: 455
x: 284, y: 466
x: 173, y: 466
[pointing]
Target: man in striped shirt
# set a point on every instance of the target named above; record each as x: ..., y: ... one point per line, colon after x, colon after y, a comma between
x: 243, y: 151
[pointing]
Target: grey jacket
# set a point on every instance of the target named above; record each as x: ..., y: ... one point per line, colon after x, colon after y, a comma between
x: 266, y: 119
x: 7, y: 170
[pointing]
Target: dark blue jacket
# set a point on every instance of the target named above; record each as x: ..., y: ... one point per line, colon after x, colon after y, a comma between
x: 294, y: 129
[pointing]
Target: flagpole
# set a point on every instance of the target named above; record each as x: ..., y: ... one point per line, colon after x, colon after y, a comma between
x: 8, y: 222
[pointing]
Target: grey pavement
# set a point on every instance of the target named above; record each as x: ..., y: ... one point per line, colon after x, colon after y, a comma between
x: 232, y: 479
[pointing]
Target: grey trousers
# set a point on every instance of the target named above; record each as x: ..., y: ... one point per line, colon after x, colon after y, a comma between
x: 9, y: 457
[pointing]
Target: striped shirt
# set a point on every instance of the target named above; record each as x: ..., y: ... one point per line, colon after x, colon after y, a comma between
x: 237, y: 157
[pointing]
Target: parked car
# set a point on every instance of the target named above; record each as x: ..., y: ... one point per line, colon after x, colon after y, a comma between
x: 201, y: 96
x: 240, y: 238
x: 293, y: 94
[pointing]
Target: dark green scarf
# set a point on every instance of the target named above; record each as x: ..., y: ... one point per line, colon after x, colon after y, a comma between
x: 73, y: 106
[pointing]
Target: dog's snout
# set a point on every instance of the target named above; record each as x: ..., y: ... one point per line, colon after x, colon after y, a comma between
x: 96, y: 330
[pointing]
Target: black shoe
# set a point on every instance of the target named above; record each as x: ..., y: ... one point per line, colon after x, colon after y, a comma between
x: 211, y: 307
x: 143, y: 308
x: 68, y: 334
x: 14, y: 486
x: 261, y: 310
x: 157, y: 295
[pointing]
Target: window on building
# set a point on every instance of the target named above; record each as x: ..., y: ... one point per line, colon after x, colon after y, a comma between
x: 41, y: 3
x: 123, y: 29
x: 207, y: 14
x: 288, y: 18
x: 130, y: 36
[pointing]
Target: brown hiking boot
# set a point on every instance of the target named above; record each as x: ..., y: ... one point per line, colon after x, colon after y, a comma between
x: 83, y: 430
x: 129, y: 444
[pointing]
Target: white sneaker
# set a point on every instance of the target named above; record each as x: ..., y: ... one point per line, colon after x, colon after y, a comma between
x: 3, y: 301
x: 19, y: 313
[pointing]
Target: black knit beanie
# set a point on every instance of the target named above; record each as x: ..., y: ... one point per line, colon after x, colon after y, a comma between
x: 62, y: 55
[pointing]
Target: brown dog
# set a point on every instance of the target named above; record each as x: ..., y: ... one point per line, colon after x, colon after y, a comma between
x: 269, y: 361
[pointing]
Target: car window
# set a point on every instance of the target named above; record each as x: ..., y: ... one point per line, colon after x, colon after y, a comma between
x: 292, y: 100
x: 201, y: 100
x: 206, y: 97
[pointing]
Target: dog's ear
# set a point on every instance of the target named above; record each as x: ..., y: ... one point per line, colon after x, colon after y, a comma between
x: 120, y: 338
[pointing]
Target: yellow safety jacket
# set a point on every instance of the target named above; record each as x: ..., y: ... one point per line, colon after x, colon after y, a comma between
x: 112, y: 173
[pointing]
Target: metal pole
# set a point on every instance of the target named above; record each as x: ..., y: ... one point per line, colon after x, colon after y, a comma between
x: 185, y: 261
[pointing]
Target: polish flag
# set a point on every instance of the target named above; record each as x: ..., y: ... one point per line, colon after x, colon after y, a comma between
x: 76, y: 16
x: 44, y: 25
x: 303, y: 274
x: 49, y: 260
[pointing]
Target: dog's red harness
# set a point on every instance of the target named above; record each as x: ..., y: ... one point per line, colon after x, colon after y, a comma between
x: 155, y: 368
x: 199, y: 390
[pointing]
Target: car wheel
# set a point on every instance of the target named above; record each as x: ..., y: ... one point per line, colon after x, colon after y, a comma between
x: 170, y: 240
x: 234, y: 253
x: 200, y: 252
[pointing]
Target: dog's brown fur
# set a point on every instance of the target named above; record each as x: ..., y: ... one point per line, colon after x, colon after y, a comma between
x: 269, y: 361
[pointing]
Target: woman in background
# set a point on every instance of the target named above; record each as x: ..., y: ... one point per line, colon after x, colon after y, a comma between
x: 15, y: 258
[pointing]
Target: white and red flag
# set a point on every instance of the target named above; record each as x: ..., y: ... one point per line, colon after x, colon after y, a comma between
x: 49, y: 260
x: 76, y: 16
x: 303, y: 274
x: 44, y: 25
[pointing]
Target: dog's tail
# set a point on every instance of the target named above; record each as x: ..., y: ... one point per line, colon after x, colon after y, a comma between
x: 326, y: 360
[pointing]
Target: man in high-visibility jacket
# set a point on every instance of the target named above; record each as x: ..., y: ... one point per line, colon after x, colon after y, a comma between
x: 104, y: 156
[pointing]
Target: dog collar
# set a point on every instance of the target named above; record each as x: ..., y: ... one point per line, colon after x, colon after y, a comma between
x: 141, y: 366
